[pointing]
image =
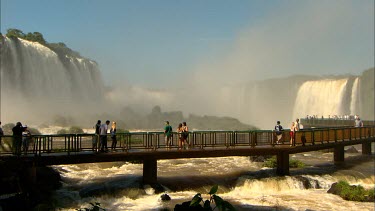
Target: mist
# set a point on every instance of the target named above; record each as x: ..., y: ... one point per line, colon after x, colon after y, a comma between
x: 255, y: 78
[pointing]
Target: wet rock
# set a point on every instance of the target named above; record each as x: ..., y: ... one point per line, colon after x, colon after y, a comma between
x: 334, y: 189
x: 165, y: 197
x: 185, y: 206
x: 305, y: 181
x: 351, y: 150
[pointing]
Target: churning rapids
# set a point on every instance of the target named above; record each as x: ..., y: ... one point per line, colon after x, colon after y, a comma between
x: 248, y: 186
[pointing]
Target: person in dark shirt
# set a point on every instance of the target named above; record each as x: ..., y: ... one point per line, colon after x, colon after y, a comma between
x: 95, y: 139
x: 17, y: 138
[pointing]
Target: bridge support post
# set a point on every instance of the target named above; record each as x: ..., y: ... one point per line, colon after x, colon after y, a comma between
x: 366, y: 148
x: 282, y: 164
x: 338, y: 154
x: 150, y: 171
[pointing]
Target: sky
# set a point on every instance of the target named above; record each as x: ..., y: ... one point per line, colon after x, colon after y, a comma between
x: 159, y: 43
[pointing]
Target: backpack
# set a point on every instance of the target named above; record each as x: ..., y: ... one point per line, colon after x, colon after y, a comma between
x: 278, y: 129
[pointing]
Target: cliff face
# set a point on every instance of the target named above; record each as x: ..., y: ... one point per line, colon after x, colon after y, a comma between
x: 367, y: 94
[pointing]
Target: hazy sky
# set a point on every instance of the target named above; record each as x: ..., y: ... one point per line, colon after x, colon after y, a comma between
x: 154, y: 43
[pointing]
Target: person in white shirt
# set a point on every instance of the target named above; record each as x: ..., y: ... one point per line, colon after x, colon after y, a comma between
x: 103, y: 136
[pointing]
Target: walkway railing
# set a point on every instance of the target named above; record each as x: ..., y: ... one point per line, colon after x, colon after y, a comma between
x: 73, y: 143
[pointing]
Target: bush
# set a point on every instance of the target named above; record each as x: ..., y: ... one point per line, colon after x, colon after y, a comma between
x: 75, y: 130
x: 71, y: 130
x: 7, y: 128
x: 272, y: 163
x: 62, y: 131
x: 354, y: 193
x: 34, y: 131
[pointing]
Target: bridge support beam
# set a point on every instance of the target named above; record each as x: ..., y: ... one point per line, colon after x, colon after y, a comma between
x: 150, y: 171
x: 366, y: 148
x: 338, y: 154
x: 282, y: 164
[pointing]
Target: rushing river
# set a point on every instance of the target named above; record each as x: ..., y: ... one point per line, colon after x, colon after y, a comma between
x: 242, y: 182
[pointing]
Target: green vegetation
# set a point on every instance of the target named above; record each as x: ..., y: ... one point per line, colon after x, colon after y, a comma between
x: 7, y: 128
x: 60, y: 48
x: 71, y: 130
x: 75, y: 130
x: 34, y: 131
x: 272, y: 163
x: 354, y: 193
x: 34, y: 37
x: 155, y: 120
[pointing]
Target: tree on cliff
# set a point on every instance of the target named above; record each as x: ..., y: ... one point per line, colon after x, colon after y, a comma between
x: 15, y: 33
x: 60, y: 48
x: 35, y: 37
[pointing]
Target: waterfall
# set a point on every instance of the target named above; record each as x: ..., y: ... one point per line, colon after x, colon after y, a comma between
x: 33, y: 70
x: 322, y: 97
x: 354, y: 104
x: 33, y: 76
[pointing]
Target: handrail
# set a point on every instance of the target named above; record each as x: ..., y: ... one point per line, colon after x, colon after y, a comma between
x: 154, y: 140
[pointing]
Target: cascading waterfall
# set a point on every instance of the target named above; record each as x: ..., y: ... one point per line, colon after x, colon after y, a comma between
x: 39, y: 79
x: 354, y: 104
x: 34, y: 70
x: 325, y: 97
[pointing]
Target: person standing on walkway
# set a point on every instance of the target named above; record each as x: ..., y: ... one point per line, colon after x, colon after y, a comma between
x: 185, y: 134
x: 103, y: 136
x: 168, y: 135
x: 292, y: 133
x: 95, y: 140
x: 1, y: 132
x: 17, y: 138
x: 26, y: 139
x: 297, y: 125
x: 180, y: 139
x: 358, y: 122
x: 113, y: 136
x: 278, y: 131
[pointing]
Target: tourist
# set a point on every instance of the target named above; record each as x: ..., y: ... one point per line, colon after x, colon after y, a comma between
x: 180, y: 139
x: 26, y: 138
x: 113, y: 136
x: 103, y: 130
x: 17, y: 138
x: 168, y: 134
x: 95, y: 140
x: 1, y: 132
x: 278, y: 131
x: 292, y: 133
x: 297, y: 125
x: 185, y: 134
x: 358, y: 122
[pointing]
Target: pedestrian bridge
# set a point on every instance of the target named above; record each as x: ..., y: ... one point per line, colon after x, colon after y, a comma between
x: 148, y: 147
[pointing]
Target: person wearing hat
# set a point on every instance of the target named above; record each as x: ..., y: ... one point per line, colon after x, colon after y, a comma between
x: 26, y: 138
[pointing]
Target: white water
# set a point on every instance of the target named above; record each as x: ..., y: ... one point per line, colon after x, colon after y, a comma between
x: 323, y: 97
x: 253, y: 187
x: 354, y: 104
x: 36, y: 81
